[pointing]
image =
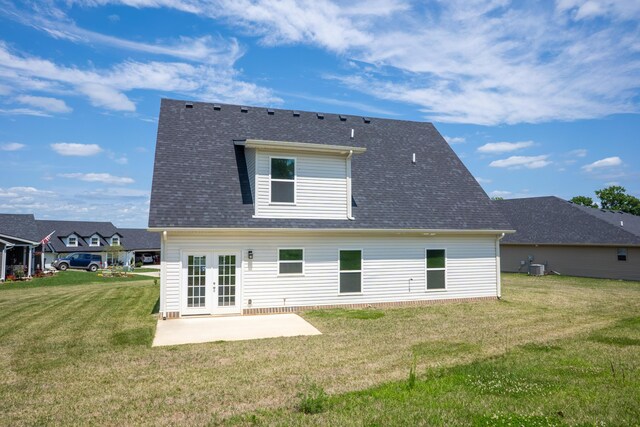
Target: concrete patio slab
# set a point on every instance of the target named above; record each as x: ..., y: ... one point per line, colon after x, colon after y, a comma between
x: 230, y: 328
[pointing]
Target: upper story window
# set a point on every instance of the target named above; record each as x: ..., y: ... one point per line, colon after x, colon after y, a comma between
x: 115, y: 241
x: 95, y: 241
x: 283, y: 180
x: 72, y: 241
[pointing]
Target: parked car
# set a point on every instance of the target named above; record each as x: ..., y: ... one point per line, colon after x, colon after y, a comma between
x: 82, y: 261
x: 147, y: 259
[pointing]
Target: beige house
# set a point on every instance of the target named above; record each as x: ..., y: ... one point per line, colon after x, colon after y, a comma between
x: 570, y: 239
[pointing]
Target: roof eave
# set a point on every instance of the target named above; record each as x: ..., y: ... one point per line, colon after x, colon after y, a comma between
x: 425, y: 231
x: 299, y: 146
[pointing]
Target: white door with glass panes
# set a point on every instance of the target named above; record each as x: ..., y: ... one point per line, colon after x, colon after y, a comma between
x: 211, y: 282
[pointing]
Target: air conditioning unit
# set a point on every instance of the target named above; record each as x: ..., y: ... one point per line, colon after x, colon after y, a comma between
x: 536, y: 270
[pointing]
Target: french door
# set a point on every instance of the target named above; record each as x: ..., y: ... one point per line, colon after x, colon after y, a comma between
x: 211, y: 282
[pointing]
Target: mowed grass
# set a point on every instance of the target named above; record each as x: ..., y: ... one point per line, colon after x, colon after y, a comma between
x: 66, y: 278
x: 554, y: 351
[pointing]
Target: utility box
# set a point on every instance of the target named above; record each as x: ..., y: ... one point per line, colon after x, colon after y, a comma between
x: 536, y: 270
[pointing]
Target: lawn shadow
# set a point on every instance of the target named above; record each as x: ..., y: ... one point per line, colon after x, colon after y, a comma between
x: 156, y: 307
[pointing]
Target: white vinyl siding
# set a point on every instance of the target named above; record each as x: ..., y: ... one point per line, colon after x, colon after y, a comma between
x: 393, y: 267
x: 320, y: 187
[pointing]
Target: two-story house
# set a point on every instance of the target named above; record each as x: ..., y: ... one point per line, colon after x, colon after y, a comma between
x: 263, y: 210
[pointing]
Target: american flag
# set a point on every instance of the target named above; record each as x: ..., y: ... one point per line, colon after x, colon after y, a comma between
x: 46, y: 239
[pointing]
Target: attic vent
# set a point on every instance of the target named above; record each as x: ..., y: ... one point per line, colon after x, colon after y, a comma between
x: 217, y: 107
x: 343, y: 118
x: 366, y: 119
x: 296, y: 114
x: 320, y: 116
x: 244, y: 109
x: 271, y: 112
x: 188, y: 105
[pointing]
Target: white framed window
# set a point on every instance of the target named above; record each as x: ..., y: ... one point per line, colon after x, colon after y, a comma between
x: 350, y: 271
x: 115, y: 241
x: 622, y: 254
x: 94, y: 241
x: 72, y: 241
x: 290, y: 261
x: 282, y: 176
x: 436, y: 269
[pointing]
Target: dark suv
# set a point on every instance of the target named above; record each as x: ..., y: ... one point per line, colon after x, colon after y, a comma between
x: 83, y: 261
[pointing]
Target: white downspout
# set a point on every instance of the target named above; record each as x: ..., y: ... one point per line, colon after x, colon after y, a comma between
x: 3, y: 262
x: 349, y: 207
x: 498, y: 276
x: 163, y: 276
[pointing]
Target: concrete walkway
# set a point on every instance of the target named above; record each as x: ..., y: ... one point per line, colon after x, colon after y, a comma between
x: 230, y: 328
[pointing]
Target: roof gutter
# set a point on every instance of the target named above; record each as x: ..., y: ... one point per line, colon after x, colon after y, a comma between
x: 299, y: 146
x: 424, y: 231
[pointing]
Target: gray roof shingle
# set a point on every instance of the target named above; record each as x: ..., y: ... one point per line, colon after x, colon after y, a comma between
x: 554, y: 221
x: 199, y: 178
x: 20, y: 226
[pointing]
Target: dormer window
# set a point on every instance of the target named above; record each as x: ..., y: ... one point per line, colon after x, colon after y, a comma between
x: 94, y: 241
x: 283, y: 180
x: 72, y: 241
x: 115, y: 241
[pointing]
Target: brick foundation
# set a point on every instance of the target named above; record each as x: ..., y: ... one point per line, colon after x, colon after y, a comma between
x: 296, y: 309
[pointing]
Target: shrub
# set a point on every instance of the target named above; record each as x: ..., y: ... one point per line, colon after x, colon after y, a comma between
x: 139, y: 264
x: 312, y: 399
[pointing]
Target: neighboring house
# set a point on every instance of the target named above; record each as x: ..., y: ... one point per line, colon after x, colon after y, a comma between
x: 100, y: 237
x: 265, y: 210
x: 21, y: 237
x: 571, y: 239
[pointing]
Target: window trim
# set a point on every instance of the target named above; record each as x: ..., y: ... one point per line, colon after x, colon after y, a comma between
x: 290, y: 262
x: 115, y: 236
x: 426, y: 270
x: 625, y: 255
x: 95, y: 236
x: 295, y: 180
x: 69, y: 245
x: 361, y: 271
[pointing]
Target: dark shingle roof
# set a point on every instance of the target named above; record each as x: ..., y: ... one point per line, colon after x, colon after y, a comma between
x: 83, y: 229
x: 200, y: 181
x: 551, y: 220
x: 139, y: 239
x: 20, y: 226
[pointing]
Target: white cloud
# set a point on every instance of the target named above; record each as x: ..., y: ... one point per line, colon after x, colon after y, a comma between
x: 99, y: 177
x: 106, y: 88
x: 11, y: 146
x: 483, y: 180
x: 590, y: 9
x: 603, y: 163
x: 454, y: 139
x: 23, y: 112
x: 516, y: 162
x: 504, y: 147
x: 580, y: 152
x: 51, y: 105
x: 500, y: 193
x: 74, y: 149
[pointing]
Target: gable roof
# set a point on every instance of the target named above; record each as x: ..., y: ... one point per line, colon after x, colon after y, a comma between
x: 200, y: 178
x: 554, y: 221
x: 19, y: 226
x: 139, y: 239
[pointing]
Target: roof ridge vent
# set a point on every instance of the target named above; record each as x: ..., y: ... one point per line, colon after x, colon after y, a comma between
x: 244, y: 109
x: 366, y: 119
x: 342, y: 118
x: 217, y: 107
x: 320, y: 115
x: 188, y: 105
x: 270, y: 111
x: 296, y: 113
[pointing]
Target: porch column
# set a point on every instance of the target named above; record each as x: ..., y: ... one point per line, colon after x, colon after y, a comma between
x: 29, y: 272
x: 42, y: 259
x: 3, y: 263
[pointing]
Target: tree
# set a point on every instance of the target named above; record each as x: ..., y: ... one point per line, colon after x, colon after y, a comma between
x: 497, y: 198
x: 584, y: 201
x: 616, y: 198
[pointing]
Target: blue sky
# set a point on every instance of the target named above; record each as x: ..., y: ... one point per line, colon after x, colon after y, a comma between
x: 537, y: 98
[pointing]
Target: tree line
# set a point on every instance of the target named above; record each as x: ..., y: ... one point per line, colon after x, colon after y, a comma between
x: 614, y: 197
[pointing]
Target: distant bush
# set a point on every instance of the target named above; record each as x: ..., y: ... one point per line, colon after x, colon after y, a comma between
x: 139, y: 264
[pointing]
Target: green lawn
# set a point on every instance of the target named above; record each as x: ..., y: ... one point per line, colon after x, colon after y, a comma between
x: 554, y: 351
x: 66, y: 278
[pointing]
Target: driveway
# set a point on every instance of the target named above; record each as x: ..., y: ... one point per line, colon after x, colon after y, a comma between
x: 230, y: 328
